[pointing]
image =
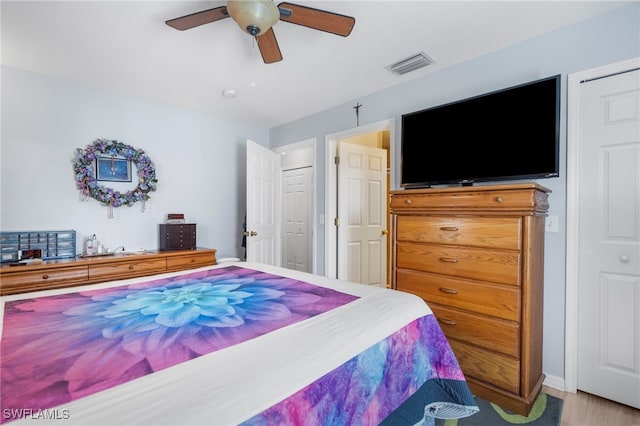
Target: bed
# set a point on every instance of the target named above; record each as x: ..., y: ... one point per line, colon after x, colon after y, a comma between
x: 236, y: 343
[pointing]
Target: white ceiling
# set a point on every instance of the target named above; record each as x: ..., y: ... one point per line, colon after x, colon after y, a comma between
x: 126, y: 47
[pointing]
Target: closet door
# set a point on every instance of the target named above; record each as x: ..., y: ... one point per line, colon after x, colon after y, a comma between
x: 296, y: 219
x: 609, y: 238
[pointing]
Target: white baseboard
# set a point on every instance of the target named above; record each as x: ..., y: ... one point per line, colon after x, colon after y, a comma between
x: 555, y: 382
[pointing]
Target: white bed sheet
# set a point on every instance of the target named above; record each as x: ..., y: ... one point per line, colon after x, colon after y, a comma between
x: 232, y: 385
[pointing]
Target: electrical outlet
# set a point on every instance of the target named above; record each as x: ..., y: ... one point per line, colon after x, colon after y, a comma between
x: 551, y: 223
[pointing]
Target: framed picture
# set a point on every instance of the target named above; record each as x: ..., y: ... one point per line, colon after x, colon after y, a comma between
x: 113, y: 169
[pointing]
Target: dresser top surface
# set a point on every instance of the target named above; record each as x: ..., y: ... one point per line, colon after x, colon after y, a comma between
x: 100, y: 259
x: 479, y: 188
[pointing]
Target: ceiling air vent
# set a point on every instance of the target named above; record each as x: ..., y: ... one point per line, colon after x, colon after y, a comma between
x: 411, y: 63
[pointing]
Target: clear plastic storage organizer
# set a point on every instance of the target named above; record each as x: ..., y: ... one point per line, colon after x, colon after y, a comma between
x: 52, y: 244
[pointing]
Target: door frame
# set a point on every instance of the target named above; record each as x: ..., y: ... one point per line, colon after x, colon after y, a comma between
x: 314, y: 223
x: 331, y: 180
x: 573, y: 212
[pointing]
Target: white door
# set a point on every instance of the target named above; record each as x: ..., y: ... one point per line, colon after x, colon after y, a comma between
x: 609, y: 238
x: 362, y: 214
x: 263, y: 206
x: 296, y: 219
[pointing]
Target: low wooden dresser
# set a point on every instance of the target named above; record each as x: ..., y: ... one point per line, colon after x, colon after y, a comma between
x: 476, y: 255
x: 81, y: 271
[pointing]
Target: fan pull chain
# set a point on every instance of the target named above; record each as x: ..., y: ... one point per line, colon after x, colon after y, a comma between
x: 252, y: 78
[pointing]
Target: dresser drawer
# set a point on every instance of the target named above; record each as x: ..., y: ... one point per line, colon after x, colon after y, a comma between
x: 489, y: 367
x: 492, y: 232
x: 490, y: 333
x: 191, y: 261
x: 481, y: 264
x: 502, y: 200
x: 44, y: 278
x: 485, y: 298
x: 127, y: 269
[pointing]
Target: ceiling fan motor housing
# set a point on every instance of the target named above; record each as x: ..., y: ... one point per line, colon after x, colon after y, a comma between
x: 253, y: 16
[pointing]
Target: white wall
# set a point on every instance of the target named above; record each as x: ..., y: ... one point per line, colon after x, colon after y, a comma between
x: 608, y: 38
x: 199, y: 161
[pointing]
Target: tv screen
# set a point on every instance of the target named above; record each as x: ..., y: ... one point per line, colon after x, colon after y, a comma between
x: 512, y: 133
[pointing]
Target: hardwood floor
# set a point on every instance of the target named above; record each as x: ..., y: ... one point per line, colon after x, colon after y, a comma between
x: 583, y: 409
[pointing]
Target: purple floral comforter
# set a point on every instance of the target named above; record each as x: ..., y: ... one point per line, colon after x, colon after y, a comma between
x: 370, y: 387
x: 56, y: 349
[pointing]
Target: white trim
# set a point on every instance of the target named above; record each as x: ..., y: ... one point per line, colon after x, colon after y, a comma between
x: 314, y: 228
x: 330, y: 208
x: 296, y: 145
x: 573, y: 214
x: 554, y: 382
x: 331, y: 142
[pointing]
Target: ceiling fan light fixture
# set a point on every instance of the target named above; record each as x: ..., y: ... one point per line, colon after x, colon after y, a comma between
x: 257, y: 17
x: 254, y: 16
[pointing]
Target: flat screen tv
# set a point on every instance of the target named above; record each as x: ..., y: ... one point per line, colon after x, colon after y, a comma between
x: 508, y: 134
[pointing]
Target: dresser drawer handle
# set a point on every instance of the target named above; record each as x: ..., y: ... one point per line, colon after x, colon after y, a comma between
x: 448, y: 260
x: 449, y: 228
x: 193, y: 260
x: 45, y: 277
x: 499, y: 199
x: 409, y: 201
x: 448, y: 290
x: 130, y: 266
x: 447, y: 321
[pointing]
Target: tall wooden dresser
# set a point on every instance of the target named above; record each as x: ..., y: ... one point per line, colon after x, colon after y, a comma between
x: 476, y: 255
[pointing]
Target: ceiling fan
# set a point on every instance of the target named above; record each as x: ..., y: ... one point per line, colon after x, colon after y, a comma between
x: 257, y: 17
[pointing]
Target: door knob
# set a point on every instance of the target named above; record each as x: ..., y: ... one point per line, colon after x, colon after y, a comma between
x: 624, y: 258
x: 250, y: 234
x: 385, y: 232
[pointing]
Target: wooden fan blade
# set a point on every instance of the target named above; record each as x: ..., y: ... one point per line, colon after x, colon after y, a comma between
x: 198, y: 18
x: 317, y: 19
x: 269, y: 48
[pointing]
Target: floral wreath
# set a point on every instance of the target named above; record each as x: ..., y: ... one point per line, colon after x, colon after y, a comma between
x: 87, y: 183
